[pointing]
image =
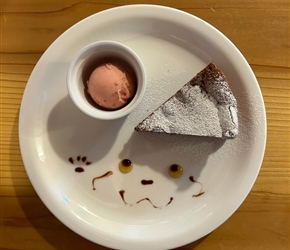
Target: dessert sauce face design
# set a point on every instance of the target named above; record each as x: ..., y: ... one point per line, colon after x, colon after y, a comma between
x: 126, y: 166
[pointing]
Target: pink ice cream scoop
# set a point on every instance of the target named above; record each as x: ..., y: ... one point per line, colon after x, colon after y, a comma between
x: 111, y: 86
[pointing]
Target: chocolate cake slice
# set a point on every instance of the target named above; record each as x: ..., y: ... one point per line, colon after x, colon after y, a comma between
x: 205, y: 106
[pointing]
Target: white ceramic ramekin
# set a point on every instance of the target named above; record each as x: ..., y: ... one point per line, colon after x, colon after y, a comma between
x: 86, y: 60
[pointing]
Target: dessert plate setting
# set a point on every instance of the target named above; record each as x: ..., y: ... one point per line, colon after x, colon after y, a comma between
x: 73, y: 159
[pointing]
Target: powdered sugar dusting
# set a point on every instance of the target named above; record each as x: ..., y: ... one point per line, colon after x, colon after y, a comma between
x: 177, y: 117
x: 205, y: 106
x: 164, y: 79
x: 194, y: 148
x: 251, y: 119
x: 215, y: 83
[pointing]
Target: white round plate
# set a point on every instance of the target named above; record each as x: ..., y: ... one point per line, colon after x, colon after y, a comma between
x: 173, y: 46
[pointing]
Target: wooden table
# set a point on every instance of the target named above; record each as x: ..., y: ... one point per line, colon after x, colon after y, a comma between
x: 260, y: 29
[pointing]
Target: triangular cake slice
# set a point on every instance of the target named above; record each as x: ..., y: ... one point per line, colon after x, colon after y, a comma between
x: 205, y: 106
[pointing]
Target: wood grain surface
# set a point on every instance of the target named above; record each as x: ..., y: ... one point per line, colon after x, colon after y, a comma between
x: 259, y: 28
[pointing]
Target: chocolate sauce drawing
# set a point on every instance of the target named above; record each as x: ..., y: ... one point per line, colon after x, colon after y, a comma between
x: 71, y: 160
x: 125, y: 166
x: 79, y: 170
x: 191, y: 178
x: 122, y: 194
x: 99, y: 177
x: 79, y: 158
x: 147, y: 182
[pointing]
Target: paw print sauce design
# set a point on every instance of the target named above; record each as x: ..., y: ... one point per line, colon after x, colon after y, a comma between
x: 79, y: 159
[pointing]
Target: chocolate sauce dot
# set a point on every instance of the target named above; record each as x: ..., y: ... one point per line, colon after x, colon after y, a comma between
x: 126, y: 162
x: 78, y: 158
x: 84, y: 159
x: 191, y: 178
x: 197, y: 195
x: 71, y: 160
x: 147, y: 182
x: 125, y: 166
x: 174, y: 167
x: 175, y: 170
x: 79, y: 170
